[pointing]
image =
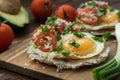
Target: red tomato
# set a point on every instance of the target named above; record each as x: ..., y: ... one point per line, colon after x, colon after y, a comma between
x: 60, y: 28
x: 6, y: 36
x: 87, y: 15
x: 66, y: 12
x: 41, y: 40
x: 41, y: 8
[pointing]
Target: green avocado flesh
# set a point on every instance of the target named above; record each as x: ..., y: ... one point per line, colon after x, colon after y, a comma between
x: 18, y: 20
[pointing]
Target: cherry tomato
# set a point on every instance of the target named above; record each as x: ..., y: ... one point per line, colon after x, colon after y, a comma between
x: 66, y: 12
x: 6, y: 36
x: 42, y: 39
x: 87, y: 15
x: 41, y: 8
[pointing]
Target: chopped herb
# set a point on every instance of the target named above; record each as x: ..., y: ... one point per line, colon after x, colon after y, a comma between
x: 51, y: 21
x: 111, y: 9
x: 59, y: 46
x: 99, y: 39
x: 71, y: 25
x: 102, y: 9
x: 99, y: 14
x: 92, y: 4
x: 66, y: 30
x: 73, y: 43
x: 106, y: 36
x: 44, y: 29
x: 78, y: 34
x: 118, y: 14
x: 65, y: 52
x: 82, y: 5
x: 58, y: 37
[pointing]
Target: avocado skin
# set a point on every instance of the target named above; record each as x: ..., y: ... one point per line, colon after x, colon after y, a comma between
x: 14, y: 27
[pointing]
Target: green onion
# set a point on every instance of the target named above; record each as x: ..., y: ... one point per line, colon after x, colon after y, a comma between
x: 111, y: 9
x: 34, y: 46
x: 73, y: 43
x: 118, y: 14
x: 58, y: 36
x: 51, y: 20
x: 71, y: 25
x: 65, y: 52
x: 105, y: 37
x: 111, y: 69
x: 78, y: 34
x: 92, y: 4
x: 59, y: 46
x: 66, y: 30
x: 99, y: 39
x: 82, y: 5
x: 44, y: 29
x: 99, y: 14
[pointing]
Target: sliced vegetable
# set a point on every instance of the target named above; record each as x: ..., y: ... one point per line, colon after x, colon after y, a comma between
x: 45, y: 41
x: 111, y: 69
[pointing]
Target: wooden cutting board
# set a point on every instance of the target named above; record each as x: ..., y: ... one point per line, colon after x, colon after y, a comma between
x: 16, y: 58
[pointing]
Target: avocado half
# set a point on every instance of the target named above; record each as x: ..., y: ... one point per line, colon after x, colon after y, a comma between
x: 17, y: 21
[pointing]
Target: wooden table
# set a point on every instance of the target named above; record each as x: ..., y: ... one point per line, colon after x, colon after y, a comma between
x: 8, y: 75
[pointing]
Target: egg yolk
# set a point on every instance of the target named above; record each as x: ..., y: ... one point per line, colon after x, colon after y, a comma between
x: 86, y: 46
x: 110, y: 17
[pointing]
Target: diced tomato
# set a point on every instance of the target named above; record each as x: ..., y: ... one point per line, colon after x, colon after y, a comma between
x: 61, y: 28
x: 42, y: 39
x: 87, y: 15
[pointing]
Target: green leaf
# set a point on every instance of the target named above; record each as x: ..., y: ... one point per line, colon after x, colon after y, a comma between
x: 71, y: 25
x: 78, y: 34
x: 65, y: 52
x: 102, y: 9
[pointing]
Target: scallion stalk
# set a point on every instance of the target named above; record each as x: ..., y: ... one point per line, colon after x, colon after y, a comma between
x: 111, y: 69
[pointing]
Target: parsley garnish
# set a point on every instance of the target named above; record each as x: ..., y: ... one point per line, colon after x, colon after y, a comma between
x: 44, y: 29
x: 58, y: 36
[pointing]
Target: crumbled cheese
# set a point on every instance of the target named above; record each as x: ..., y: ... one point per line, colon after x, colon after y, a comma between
x: 26, y: 65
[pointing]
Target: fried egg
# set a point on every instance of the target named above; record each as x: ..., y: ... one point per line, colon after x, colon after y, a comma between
x: 88, y: 46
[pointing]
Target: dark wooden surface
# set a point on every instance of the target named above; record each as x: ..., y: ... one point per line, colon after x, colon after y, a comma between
x: 8, y: 75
